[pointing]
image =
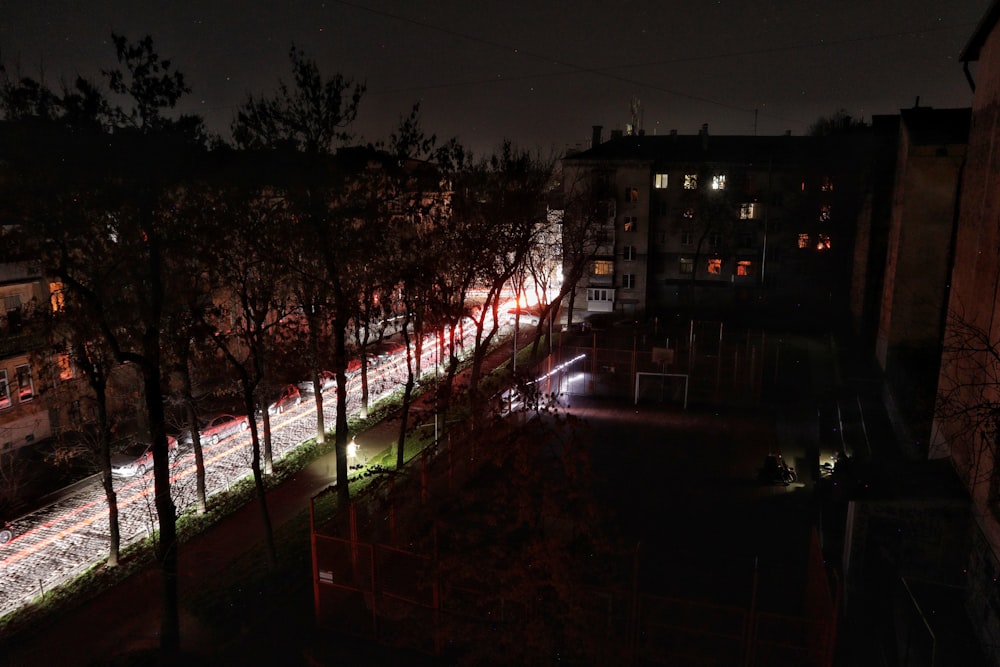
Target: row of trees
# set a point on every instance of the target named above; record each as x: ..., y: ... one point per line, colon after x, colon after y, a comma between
x: 211, y: 267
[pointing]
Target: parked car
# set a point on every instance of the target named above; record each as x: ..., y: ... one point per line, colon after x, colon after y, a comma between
x: 137, y: 458
x: 386, y: 350
x: 526, y: 316
x: 287, y: 399
x: 327, y: 381
x: 218, y: 428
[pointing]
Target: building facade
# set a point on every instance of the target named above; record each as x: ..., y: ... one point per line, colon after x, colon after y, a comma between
x: 711, y: 222
x: 24, y: 417
x: 966, y: 427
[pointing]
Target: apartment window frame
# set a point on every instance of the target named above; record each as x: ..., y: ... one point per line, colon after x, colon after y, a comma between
x: 718, y: 181
x: 600, y: 294
x: 632, y: 195
x: 628, y: 281
x: 744, y: 268
x: 748, y: 211
x: 603, y: 267
x: 804, y: 241
x: 687, y: 237
x: 57, y: 297
x: 714, y: 266
x: 64, y: 364
x: 25, y: 383
x: 686, y: 266
x: 630, y: 223
x: 690, y: 181
x: 5, y: 400
x: 661, y: 181
x: 628, y: 253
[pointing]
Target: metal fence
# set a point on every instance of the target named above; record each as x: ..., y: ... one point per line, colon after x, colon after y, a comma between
x: 708, y: 364
x: 375, y: 576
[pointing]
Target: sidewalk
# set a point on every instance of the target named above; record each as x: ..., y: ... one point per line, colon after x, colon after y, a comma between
x: 126, y: 617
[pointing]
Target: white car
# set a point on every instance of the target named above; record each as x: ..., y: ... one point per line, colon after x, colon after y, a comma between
x: 137, y: 458
x: 524, y: 315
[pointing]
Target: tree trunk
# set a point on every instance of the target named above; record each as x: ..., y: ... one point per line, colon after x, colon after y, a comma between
x: 268, y: 456
x: 340, y: 355
x: 166, y: 512
x: 313, y: 322
x: 191, y: 414
x: 258, y: 476
x: 318, y: 395
x: 104, y: 444
x: 364, y: 385
x: 407, y: 391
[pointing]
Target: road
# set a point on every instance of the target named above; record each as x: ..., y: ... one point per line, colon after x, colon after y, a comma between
x: 58, y: 542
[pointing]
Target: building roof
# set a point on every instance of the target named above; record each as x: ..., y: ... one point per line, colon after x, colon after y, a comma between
x: 702, y: 148
x: 937, y: 126
x: 989, y: 21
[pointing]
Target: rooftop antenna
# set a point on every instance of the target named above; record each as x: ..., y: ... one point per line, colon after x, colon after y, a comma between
x: 634, y: 106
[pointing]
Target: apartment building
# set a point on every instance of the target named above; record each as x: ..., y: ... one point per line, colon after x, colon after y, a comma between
x: 966, y: 427
x: 714, y: 221
x: 24, y: 417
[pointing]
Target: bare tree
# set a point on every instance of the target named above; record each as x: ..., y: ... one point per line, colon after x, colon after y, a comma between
x: 95, y: 198
x: 967, y: 409
x: 309, y: 118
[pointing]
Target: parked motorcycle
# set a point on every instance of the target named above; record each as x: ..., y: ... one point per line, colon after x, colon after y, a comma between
x: 776, y: 471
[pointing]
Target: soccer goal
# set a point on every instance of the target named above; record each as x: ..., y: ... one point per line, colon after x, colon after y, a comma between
x: 662, y: 387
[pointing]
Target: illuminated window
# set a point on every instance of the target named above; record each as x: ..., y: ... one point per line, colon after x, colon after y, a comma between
x: 803, y: 240
x: 714, y: 266
x: 823, y: 243
x: 687, y: 238
x: 690, y: 181
x: 631, y: 194
x: 56, y: 297
x: 25, y: 388
x: 743, y: 267
x: 603, y: 267
x: 689, y: 213
x: 628, y: 281
x: 827, y: 185
x: 660, y: 181
x: 628, y: 253
x: 4, y: 391
x: 65, y: 366
x: 687, y: 266
x: 719, y: 182
x: 824, y: 213
x: 747, y: 211
x: 630, y: 223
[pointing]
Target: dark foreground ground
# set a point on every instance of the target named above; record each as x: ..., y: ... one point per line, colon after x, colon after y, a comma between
x: 681, y: 485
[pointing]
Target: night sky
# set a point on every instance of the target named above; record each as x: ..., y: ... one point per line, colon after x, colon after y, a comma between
x: 538, y: 72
